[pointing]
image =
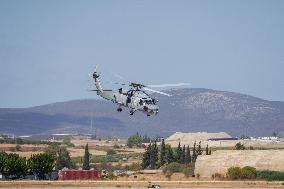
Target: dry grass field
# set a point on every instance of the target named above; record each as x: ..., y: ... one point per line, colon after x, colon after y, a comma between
x: 221, y: 160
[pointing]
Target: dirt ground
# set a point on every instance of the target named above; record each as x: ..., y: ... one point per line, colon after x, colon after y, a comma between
x: 142, y: 184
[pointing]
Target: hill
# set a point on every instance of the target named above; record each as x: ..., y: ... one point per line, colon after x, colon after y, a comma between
x: 188, y: 110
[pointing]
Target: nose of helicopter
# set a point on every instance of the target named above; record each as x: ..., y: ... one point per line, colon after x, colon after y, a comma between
x: 153, y: 109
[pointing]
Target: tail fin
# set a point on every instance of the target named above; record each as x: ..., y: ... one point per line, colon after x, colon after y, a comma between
x: 96, y: 76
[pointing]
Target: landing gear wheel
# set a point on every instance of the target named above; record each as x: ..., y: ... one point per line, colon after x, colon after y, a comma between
x: 131, y: 112
x: 119, y: 109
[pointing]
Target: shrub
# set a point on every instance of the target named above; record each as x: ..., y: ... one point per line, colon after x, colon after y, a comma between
x: 270, y: 175
x: 248, y: 172
x: 217, y: 176
x: 116, y: 146
x: 241, y: 173
x: 111, y: 152
x: 187, y: 170
x: 239, y: 146
x: 173, y: 168
x: 234, y: 173
x: 17, y: 148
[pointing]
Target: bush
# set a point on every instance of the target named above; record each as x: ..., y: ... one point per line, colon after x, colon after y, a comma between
x: 116, y: 146
x: 241, y: 173
x: 187, y: 170
x: 270, y: 175
x: 173, y: 168
x: 248, y: 172
x: 239, y: 146
x: 234, y: 173
x: 111, y: 152
x: 217, y: 176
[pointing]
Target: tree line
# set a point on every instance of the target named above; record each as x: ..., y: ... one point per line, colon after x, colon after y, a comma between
x: 156, y: 156
x: 12, y: 166
x: 137, y: 140
x: 55, y: 157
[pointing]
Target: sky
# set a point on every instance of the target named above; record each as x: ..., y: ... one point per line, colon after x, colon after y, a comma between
x: 48, y: 48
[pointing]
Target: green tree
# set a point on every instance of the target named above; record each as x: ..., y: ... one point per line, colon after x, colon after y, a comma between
x: 183, y: 154
x: 239, y: 146
x: 63, y: 159
x: 41, y: 164
x: 53, y: 150
x: 12, y: 165
x: 170, y: 157
x: 67, y: 141
x: 194, y: 153
x: 134, y: 140
x: 187, y: 155
x: 146, y: 157
x: 179, y: 154
x: 163, y: 153
x: 60, y: 154
x: 86, y: 163
x: 154, y: 156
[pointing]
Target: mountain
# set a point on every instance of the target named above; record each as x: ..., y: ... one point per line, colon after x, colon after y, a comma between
x: 188, y: 110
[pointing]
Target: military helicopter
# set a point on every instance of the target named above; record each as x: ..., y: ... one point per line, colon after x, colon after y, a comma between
x: 134, y: 98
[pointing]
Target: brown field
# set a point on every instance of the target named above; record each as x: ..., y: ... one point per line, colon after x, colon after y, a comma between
x: 96, y: 143
x: 26, y: 150
x: 221, y: 160
x: 75, y: 152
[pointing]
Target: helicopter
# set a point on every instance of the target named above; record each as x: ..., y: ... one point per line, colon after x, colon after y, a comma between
x: 134, y: 98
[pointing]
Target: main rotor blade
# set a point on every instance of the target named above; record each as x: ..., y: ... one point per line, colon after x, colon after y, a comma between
x: 97, y: 90
x: 96, y: 68
x: 169, y: 85
x: 155, y: 91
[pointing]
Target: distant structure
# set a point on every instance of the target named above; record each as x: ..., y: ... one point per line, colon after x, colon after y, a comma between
x: 190, y: 138
x: 218, y: 139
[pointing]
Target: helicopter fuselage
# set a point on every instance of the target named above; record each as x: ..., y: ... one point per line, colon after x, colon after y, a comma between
x: 135, y: 99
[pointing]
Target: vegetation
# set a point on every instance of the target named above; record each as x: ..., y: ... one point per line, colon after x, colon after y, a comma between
x: 163, y: 153
x: 150, y: 157
x: 61, y: 155
x: 111, y: 152
x: 41, y: 164
x: 137, y: 140
x: 270, y: 175
x: 175, y: 167
x: 86, y: 163
x: 236, y: 173
x: 239, y: 146
x: 67, y: 141
x: 12, y: 166
x: 155, y: 157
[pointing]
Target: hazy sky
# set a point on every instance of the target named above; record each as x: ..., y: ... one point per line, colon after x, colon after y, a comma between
x: 47, y: 48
